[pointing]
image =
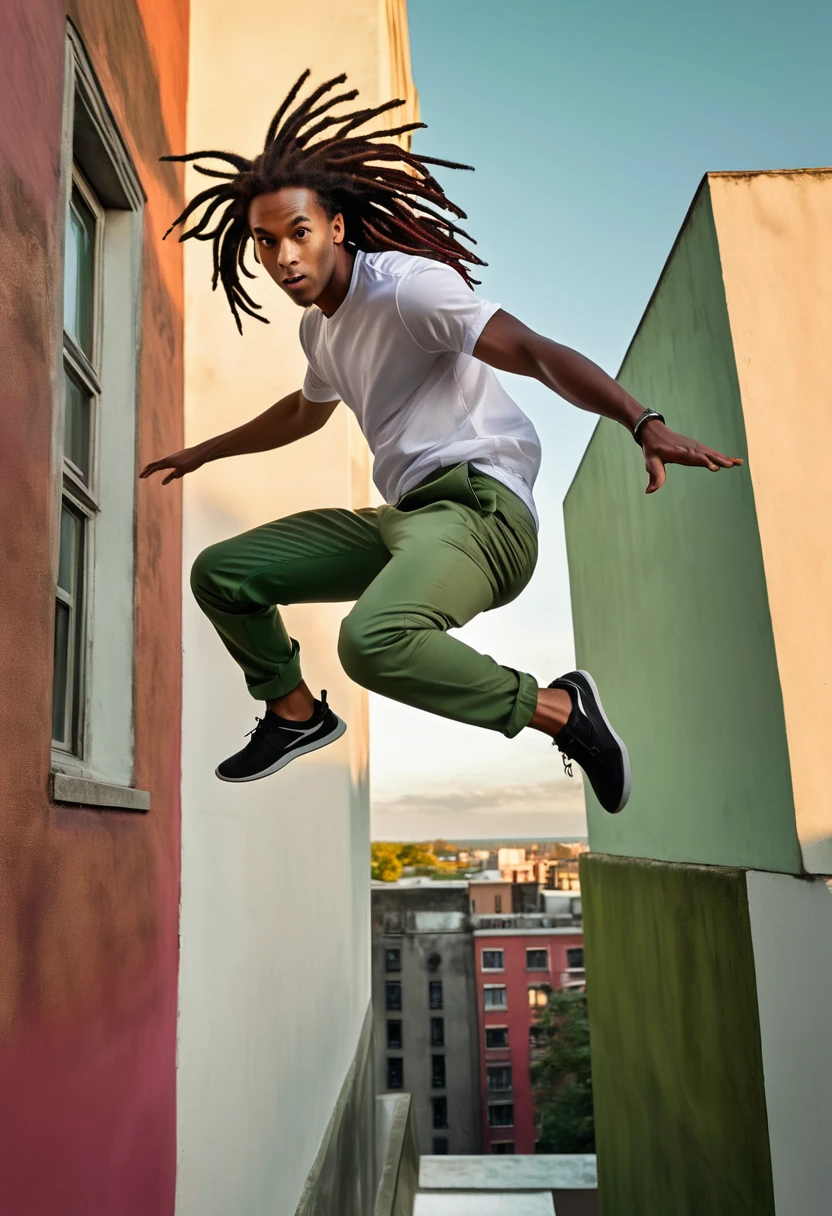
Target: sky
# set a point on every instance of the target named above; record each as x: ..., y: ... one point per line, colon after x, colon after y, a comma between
x: 590, y: 127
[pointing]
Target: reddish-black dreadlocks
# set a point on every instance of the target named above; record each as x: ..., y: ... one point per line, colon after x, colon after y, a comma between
x: 385, y: 206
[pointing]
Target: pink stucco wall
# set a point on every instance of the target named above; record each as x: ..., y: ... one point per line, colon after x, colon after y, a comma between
x: 88, y: 899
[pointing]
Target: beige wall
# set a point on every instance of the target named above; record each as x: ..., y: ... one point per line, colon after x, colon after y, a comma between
x: 484, y: 895
x: 275, y: 976
x: 775, y: 243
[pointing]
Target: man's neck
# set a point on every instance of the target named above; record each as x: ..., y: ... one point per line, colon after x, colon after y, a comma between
x: 335, y: 292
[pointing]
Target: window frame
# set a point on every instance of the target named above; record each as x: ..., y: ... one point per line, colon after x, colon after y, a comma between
x: 388, y: 950
x: 500, y: 1089
x: 395, y: 1046
x: 544, y: 950
x: 437, y: 1040
x: 93, y: 762
x: 436, y: 1102
x: 436, y: 1068
x: 504, y: 1046
x: 502, y: 955
x: 486, y: 988
x: 390, y: 986
x: 436, y: 985
x: 397, y: 1062
x: 492, y: 1106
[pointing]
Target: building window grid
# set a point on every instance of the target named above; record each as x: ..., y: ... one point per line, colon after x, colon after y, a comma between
x: 393, y: 996
x: 501, y: 1114
x: 440, y: 1113
x: 437, y: 1032
x: 502, y: 1147
x: 394, y: 1034
x: 393, y: 958
x: 437, y: 1072
x: 435, y: 994
x: 496, y: 1038
x: 498, y: 1078
x: 395, y: 1072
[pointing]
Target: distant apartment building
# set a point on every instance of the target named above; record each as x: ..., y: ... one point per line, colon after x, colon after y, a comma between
x: 519, y: 959
x: 424, y: 998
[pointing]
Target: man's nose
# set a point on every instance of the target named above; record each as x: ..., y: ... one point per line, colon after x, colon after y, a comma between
x: 286, y: 255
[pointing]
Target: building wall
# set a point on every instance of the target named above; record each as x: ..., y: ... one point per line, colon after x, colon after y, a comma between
x: 275, y: 986
x: 88, y: 947
x: 485, y: 897
x: 517, y: 1017
x: 707, y: 961
x: 433, y: 922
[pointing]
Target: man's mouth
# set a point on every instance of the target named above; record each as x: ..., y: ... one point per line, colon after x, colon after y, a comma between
x: 294, y: 280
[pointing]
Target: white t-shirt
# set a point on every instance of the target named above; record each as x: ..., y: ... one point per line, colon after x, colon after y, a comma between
x: 397, y: 351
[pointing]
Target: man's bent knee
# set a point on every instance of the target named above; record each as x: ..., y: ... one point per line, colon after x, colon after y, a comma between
x: 367, y: 648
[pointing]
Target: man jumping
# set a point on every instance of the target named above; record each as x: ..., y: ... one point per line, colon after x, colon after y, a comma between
x: 348, y: 226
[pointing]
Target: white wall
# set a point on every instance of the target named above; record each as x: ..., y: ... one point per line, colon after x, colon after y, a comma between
x: 791, y: 931
x: 275, y: 967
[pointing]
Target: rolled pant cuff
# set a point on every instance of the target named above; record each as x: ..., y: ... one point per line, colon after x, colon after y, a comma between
x: 524, y: 706
x: 284, y: 681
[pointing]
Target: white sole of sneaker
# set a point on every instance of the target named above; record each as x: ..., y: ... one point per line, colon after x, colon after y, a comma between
x: 625, y: 755
x: 284, y: 760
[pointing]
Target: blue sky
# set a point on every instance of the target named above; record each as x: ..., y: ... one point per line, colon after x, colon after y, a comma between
x: 590, y: 126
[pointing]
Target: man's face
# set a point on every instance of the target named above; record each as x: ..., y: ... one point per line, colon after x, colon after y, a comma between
x: 296, y: 241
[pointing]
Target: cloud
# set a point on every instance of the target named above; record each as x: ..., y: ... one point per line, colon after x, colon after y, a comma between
x: 471, y: 810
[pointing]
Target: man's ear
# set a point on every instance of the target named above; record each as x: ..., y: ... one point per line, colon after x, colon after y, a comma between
x: 339, y: 229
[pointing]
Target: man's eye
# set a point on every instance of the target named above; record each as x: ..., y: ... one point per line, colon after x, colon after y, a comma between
x: 301, y: 232
x: 265, y: 240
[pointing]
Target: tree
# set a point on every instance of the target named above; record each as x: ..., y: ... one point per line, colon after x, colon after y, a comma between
x: 562, y: 1076
x: 384, y: 862
x: 416, y: 855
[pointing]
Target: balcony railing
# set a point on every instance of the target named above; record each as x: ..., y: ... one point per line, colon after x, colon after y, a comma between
x: 573, y: 978
x: 527, y: 920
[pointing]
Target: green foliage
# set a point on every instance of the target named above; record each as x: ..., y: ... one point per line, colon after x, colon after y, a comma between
x: 384, y: 862
x: 415, y: 855
x: 562, y: 1076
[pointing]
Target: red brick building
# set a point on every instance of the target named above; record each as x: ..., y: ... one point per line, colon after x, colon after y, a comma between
x: 514, y: 969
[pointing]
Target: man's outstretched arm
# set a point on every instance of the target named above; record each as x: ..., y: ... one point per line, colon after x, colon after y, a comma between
x: 286, y: 421
x: 510, y: 346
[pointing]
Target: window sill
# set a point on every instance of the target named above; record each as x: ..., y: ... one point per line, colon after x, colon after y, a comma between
x: 81, y: 791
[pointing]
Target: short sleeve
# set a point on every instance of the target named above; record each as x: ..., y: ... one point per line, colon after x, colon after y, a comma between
x: 440, y: 311
x: 315, y: 388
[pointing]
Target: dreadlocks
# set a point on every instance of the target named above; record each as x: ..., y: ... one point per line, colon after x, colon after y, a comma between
x: 383, y: 190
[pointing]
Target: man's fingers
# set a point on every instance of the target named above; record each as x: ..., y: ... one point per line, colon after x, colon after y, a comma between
x: 655, y: 467
x: 154, y: 467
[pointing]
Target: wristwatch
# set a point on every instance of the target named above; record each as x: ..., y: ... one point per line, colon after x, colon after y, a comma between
x: 645, y: 417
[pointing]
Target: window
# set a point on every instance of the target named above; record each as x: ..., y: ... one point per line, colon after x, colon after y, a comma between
x: 492, y: 960
x: 473, y: 907
x: 92, y: 711
x: 440, y: 1146
x: 393, y: 922
x: 496, y: 1036
x: 440, y: 1112
x: 393, y: 995
x: 502, y: 1146
x: 435, y: 994
x: 437, y: 1032
x: 498, y: 1078
x: 437, y: 1072
x: 575, y: 957
x: 394, y: 1034
x: 537, y: 960
x: 393, y: 959
x: 539, y: 995
x: 537, y: 1039
x: 498, y: 903
x: 494, y: 996
x: 501, y: 1114
x: 395, y: 1072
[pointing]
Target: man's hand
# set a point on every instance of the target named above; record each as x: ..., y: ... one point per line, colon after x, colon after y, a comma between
x: 180, y: 463
x: 661, y: 446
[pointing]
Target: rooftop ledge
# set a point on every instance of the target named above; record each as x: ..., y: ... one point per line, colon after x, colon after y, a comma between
x: 544, y: 1172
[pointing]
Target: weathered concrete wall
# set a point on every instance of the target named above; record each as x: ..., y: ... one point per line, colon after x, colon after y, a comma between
x: 421, y: 946
x: 88, y: 944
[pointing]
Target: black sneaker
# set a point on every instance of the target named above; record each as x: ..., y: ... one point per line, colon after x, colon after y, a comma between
x: 275, y: 741
x: 589, y: 739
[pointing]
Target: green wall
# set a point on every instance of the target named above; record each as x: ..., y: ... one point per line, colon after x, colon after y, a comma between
x: 680, y: 1116
x: 669, y: 597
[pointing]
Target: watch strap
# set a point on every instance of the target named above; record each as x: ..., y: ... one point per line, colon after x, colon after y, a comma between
x: 645, y: 417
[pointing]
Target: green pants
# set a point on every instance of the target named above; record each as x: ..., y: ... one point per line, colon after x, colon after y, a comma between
x: 457, y: 545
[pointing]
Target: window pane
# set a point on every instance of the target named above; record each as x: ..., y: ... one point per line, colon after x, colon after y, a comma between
x: 60, y: 675
x: 394, y: 959
x: 501, y: 1115
x: 438, y: 1072
x: 495, y: 998
x: 435, y: 994
x: 77, y: 425
x: 68, y: 559
x: 537, y: 960
x: 492, y: 960
x: 440, y: 1112
x: 503, y: 1147
x: 437, y: 1032
x: 393, y: 992
x: 496, y: 1036
x: 394, y: 1035
x: 498, y: 1079
x: 395, y: 1072
x: 78, y: 271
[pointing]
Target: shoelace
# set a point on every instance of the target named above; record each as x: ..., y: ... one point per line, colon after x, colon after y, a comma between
x: 259, y: 722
